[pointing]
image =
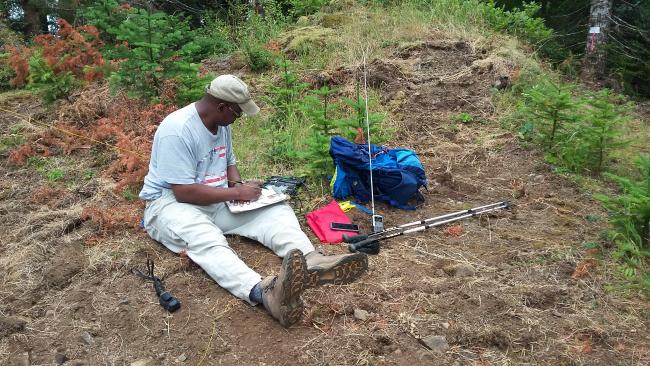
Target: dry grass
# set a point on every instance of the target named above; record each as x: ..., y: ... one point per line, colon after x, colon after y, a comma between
x: 88, y: 105
x: 415, y: 312
x: 29, y: 247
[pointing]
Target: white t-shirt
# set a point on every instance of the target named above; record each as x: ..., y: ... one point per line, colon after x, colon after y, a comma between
x: 185, y: 152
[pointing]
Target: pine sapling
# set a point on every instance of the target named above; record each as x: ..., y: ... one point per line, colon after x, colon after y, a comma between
x: 316, y: 108
x: 155, y: 48
x: 630, y: 217
x: 356, y: 124
x: 551, y: 107
x: 285, y: 99
x: 605, y: 122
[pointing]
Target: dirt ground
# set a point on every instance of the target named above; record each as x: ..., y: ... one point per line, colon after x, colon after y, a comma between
x: 515, y: 287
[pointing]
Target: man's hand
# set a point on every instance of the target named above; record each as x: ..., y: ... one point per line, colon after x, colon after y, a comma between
x: 248, y: 191
x: 199, y: 194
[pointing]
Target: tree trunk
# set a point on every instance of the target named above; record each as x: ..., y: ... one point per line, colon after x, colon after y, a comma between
x: 594, y: 62
x: 544, y: 8
x: 35, y: 20
x: 67, y: 9
x: 258, y: 7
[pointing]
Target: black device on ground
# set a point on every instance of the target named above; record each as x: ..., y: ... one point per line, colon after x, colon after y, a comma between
x: 169, y: 302
x: 286, y: 185
x: 344, y: 227
x: 369, y: 243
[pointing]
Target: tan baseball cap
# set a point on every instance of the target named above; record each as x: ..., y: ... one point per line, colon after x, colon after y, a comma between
x: 230, y: 88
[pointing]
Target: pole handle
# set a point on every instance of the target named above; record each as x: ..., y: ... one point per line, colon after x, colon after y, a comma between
x: 354, y: 238
x: 368, y: 246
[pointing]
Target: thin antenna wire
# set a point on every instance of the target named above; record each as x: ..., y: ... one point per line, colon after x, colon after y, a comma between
x: 365, y: 92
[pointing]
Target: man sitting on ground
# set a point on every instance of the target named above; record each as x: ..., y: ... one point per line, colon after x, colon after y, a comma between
x: 193, y: 172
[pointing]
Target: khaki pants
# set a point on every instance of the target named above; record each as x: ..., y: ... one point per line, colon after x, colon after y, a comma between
x: 200, y: 230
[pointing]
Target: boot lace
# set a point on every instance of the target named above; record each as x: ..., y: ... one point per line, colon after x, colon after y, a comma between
x: 270, y: 286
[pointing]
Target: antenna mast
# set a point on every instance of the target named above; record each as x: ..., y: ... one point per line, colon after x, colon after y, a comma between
x: 377, y: 220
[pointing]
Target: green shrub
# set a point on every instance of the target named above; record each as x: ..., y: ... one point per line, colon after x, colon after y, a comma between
x: 578, y: 130
x: 518, y: 22
x: 252, y: 26
x: 302, y: 123
x: 154, y: 48
x: 549, y: 109
x: 285, y: 125
x: 106, y: 16
x: 6, y: 72
x: 348, y: 127
x: 285, y: 97
x: 325, y: 118
x: 629, y: 214
x: 597, y: 134
x: 55, y: 65
x: 152, y: 41
x: 51, y: 85
x: 318, y: 109
x: 210, y: 40
x: 258, y: 57
x: 282, y: 149
x: 37, y: 162
x: 55, y: 175
x: 256, y: 32
x: 305, y: 7
x: 464, y: 117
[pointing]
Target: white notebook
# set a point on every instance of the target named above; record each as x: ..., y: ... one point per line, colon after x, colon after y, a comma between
x: 268, y: 197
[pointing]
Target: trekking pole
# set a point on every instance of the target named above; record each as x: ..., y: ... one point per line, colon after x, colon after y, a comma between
x: 476, y: 210
x: 370, y: 243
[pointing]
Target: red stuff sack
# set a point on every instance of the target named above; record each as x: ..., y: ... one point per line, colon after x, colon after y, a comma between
x: 319, y: 221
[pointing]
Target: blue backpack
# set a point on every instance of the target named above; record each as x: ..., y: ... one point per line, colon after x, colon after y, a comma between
x: 397, y: 174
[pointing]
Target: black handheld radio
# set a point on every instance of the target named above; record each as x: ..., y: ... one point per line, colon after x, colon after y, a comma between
x: 167, y: 301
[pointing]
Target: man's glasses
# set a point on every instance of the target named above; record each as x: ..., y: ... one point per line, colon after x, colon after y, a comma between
x: 236, y: 114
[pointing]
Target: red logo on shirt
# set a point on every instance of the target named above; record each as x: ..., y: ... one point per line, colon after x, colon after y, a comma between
x: 220, y: 151
x: 213, y: 179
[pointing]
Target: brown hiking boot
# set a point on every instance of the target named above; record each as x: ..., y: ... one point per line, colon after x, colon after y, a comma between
x: 281, y: 293
x: 335, y: 269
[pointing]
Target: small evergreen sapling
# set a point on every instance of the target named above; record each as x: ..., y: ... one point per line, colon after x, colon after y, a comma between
x: 550, y: 109
x: 323, y: 126
x: 55, y: 65
x: 630, y: 217
x: 106, y: 16
x: 285, y: 98
x: 149, y: 52
x: 153, y: 49
x: 589, y: 141
x: 605, y: 122
x: 52, y: 85
x: 356, y: 123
